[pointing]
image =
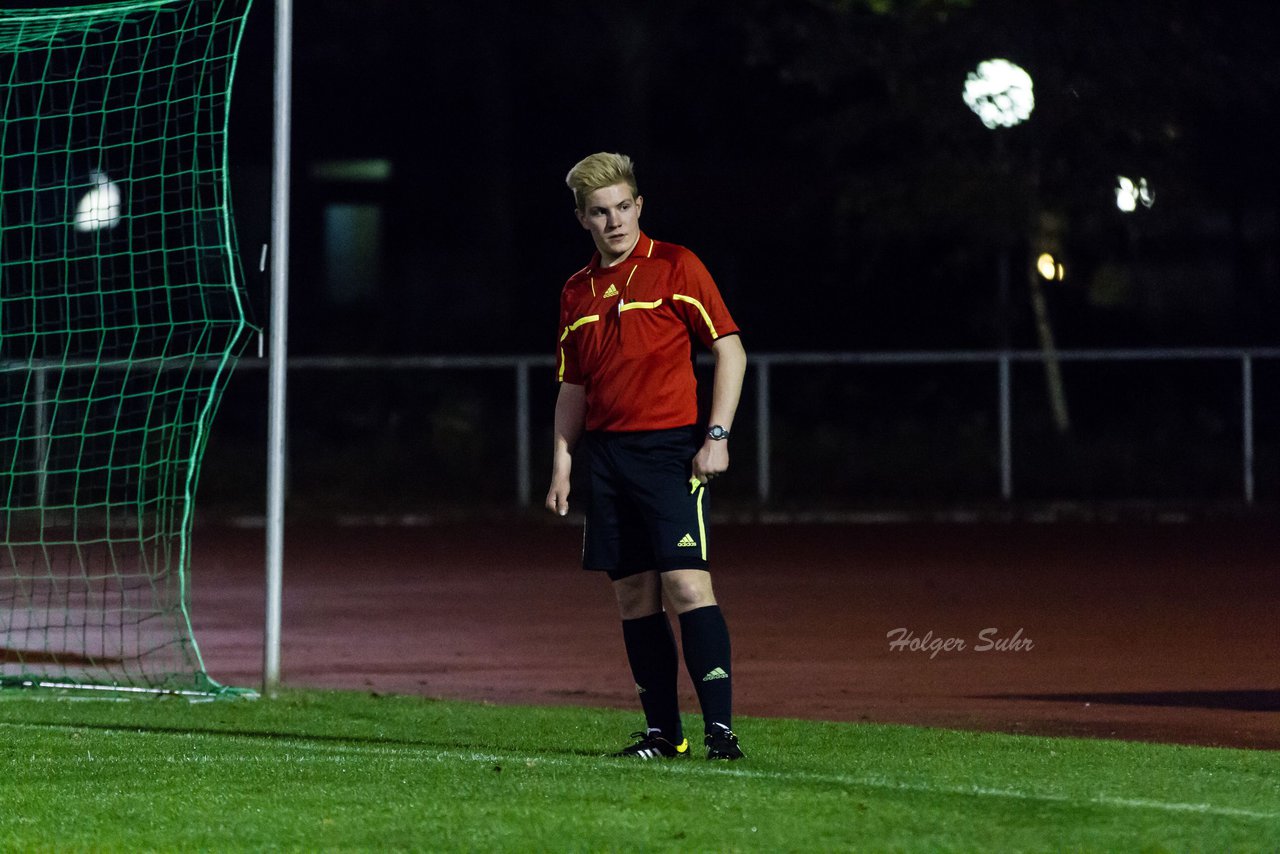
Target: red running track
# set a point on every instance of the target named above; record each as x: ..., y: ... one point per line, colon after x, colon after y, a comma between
x: 1159, y: 632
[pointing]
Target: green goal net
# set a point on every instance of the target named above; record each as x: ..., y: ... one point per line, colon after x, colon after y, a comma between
x: 121, y: 315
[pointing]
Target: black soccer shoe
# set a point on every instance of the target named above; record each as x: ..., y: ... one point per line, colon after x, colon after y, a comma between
x: 723, y: 744
x: 653, y: 746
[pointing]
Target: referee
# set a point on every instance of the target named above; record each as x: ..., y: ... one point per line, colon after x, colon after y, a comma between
x: 628, y: 401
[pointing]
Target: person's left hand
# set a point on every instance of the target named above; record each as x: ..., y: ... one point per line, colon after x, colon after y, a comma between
x: 712, y: 460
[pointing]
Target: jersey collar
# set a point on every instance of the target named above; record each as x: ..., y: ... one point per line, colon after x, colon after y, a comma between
x: 643, y: 249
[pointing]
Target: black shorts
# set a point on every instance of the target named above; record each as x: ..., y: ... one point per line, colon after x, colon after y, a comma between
x: 644, y: 512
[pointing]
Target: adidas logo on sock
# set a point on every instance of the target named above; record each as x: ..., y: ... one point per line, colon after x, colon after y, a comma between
x: 687, y: 540
x: 718, y: 673
x: 611, y: 292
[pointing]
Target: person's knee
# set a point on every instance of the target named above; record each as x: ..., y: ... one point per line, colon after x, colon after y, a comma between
x: 687, y: 589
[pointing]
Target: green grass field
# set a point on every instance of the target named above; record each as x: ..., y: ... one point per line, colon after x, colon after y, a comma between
x: 314, y: 770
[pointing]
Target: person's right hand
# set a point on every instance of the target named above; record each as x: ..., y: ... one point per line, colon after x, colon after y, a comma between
x: 558, y: 495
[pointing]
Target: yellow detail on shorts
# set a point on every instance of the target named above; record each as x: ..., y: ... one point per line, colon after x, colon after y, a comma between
x: 705, y: 317
x: 687, y: 541
x: 702, y: 525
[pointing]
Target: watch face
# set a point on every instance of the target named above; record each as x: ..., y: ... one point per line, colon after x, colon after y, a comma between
x: 717, y: 432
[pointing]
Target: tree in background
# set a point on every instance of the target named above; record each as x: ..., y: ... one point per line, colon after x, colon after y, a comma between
x: 1184, y: 95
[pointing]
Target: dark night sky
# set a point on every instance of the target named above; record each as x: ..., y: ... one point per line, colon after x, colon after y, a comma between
x: 817, y: 156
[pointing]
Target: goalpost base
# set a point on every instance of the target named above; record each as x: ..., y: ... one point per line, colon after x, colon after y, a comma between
x: 202, y: 690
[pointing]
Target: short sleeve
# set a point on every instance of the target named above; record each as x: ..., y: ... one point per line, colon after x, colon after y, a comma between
x: 568, y: 368
x: 698, y: 300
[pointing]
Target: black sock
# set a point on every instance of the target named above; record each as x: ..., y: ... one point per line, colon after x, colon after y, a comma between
x: 651, y: 650
x: 705, y: 637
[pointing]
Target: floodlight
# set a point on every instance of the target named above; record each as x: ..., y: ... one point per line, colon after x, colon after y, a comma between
x: 1050, y: 268
x: 999, y: 93
x: 100, y: 207
x: 1129, y: 195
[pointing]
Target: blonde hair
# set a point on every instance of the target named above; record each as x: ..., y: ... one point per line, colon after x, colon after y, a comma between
x: 597, y: 171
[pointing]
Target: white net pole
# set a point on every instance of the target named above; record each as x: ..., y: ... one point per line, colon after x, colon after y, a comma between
x: 279, y: 344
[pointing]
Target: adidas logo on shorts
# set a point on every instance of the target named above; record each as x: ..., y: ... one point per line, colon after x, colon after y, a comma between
x: 718, y: 673
x: 687, y: 541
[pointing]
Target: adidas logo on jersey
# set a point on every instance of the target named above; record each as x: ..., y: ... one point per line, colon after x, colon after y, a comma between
x: 718, y: 673
x: 611, y: 292
x: 687, y: 541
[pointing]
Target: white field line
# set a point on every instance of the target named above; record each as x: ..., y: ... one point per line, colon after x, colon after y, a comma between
x: 315, y: 751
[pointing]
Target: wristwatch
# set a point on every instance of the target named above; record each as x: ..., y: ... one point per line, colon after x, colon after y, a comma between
x: 716, y: 432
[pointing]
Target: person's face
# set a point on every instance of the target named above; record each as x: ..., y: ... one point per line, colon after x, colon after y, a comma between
x: 612, y: 215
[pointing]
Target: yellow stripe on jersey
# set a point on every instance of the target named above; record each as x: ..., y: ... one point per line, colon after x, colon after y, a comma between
x: 705, y: 317
x: 590, y: 318
x: 630, y: 305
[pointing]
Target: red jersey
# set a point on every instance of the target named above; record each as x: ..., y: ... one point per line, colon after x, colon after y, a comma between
x: 625, y: 335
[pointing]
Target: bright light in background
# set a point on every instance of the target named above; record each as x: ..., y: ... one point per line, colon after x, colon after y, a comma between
x: 1050, y: 268
x: 1129, y: 194
x: 999, y: 93
x: 100, y: 207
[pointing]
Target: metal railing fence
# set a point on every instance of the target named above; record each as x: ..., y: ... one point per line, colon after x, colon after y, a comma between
x: 761, y: 369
